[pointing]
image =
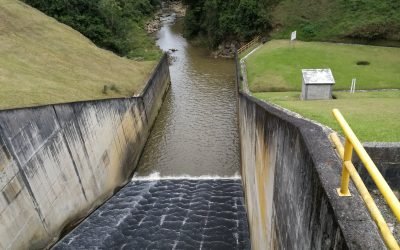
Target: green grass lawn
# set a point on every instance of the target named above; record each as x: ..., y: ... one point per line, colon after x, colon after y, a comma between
x: 276, y: 66
x: 367, y: 21
x: 43, y: 61
x: 373, y: 116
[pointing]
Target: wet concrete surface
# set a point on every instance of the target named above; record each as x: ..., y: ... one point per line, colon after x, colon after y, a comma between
x: 167, y: 214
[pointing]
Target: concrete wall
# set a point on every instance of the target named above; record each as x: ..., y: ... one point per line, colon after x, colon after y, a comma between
x: 290, y: 174
x: 58, y: 162
x: 316, y: 92
x: 386, y: 157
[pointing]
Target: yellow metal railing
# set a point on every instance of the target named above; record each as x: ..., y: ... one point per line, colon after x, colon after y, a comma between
x: 349, y: 170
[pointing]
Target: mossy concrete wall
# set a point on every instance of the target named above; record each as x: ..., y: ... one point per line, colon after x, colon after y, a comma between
x: 58, y: 162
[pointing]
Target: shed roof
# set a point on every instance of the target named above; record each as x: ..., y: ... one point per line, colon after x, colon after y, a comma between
x: 318, y: 76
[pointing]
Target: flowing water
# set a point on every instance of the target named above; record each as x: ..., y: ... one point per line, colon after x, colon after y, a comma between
x: 186, y: 193
x: 196, y: 130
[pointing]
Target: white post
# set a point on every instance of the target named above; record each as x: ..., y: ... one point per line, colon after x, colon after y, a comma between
x: 293, y: 38
x: 353, y: 86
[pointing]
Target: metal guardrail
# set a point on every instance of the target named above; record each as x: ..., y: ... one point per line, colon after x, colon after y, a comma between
x: 349, y: 170
x: 249, y: 44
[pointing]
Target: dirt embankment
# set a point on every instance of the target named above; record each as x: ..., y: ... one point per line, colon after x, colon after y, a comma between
x: 226, y: 49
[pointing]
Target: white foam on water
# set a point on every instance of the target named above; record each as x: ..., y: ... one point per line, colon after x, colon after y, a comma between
x: 162, y: 220
x: 120, y: 220
x: 155, y: 176
x: 184, y: 221
x: 175, y: 244
x: 141, y: 221
x: 235, y: 206
x: 236, y: 235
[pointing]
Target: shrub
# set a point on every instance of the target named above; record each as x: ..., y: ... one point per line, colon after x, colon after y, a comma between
x: 111, y: 24
x: 105, y: 89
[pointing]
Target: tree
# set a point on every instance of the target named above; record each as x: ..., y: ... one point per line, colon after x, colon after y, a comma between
x: 110, y: 24
x: 220, y: 20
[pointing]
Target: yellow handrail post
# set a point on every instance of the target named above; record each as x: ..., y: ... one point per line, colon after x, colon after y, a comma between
x: 350, y: 171
x: 344, y: 186
x: 376, y: 215
x: 373, y: 171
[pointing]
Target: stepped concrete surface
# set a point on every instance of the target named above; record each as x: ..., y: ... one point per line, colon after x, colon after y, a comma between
x: 167, y: 214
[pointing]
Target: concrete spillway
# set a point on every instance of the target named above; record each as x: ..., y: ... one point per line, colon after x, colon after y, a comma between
x: 195, y: 134
x: 167, y: 214
x: 289, y: 174
x: 59, y: 162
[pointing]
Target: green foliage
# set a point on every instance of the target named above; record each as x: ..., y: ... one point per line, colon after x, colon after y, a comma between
x: 368, y: 21
x: 308, y: 30
x: 105, y: 89
x: 116, y: 25
x: 362, y: 21
x: 111, y: 87
x: 220, y: 20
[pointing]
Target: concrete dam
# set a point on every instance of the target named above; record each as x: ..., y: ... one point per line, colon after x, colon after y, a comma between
x: 213, y: 168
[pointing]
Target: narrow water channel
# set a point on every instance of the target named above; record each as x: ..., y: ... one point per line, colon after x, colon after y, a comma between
x: 195, y: 134
x: 196, y: 130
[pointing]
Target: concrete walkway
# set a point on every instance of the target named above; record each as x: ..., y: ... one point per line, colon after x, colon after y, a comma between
x: 167, y: 214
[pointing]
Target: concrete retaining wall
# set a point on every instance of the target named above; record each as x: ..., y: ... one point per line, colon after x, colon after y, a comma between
x: 386, y: 156
x: 58, y: 162
x: 290, y: 174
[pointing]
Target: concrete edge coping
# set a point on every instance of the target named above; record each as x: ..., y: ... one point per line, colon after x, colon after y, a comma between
x: 382, y: 144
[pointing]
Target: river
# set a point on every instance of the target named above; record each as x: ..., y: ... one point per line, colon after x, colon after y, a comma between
x: 196, y: 131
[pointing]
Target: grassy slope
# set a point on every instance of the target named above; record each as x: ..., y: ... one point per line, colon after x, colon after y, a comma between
x: 369, y: 21
x: 277, y: 66
x: 373, y: 116
x: 43, y: 61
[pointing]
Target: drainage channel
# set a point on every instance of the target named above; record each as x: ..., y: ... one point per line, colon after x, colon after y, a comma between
x: 186, y: 192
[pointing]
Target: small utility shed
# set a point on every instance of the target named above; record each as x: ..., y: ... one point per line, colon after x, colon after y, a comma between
x: 317, y: 84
